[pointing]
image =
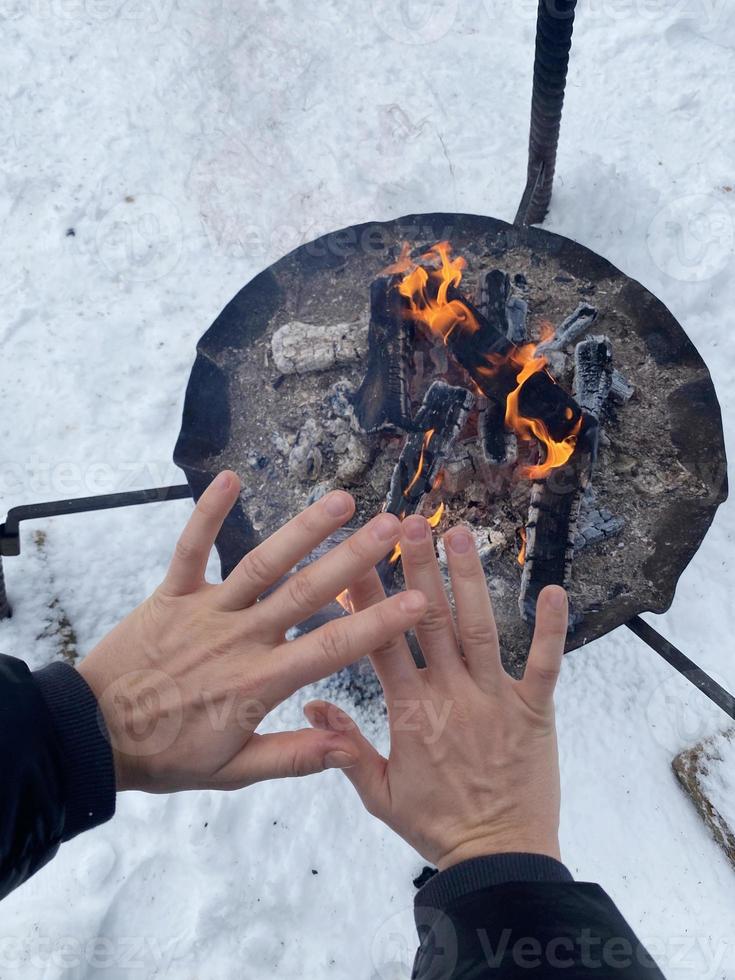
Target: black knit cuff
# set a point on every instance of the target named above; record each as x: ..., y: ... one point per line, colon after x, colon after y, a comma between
x: 83, y: 738
x: 484, y: 872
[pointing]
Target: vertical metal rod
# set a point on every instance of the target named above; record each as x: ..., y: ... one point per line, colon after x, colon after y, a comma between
x: 5, y: 610
x: 553, y: 42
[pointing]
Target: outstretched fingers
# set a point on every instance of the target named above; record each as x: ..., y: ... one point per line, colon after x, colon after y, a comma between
x: 547, y: 649
x: 311, y: 588
x: 186, y: 571
x: 368, y: 774
x: 342, y: 642
x: 262, y: 567
x: 392, y: 662
x: 478, y: 634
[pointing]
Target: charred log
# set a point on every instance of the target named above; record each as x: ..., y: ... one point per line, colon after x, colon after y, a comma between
x: 493, y: 436
x: 555, y: 502
x: 487, y: 355
x: 569, y: 329
x: 436, y: 426
x: 592, y: 383
x: 517, y: 310
x: 550, y: 534
x: 382, y: 400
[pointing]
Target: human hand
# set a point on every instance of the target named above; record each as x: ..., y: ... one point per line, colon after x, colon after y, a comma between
x: 184, y: 681
x: 473, y: 766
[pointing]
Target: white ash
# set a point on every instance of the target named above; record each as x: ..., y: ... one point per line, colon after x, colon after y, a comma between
x: 299, y: 348
x: 517, y: 313
x: 594, y: 523
x: 621, y: 390
x: 305, y: 459
x: 568, y: 330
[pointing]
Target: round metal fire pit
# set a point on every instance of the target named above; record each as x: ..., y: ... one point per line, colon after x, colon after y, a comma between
x: 662, y: 465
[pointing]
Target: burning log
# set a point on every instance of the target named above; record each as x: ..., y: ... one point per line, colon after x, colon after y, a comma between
x: 555, y: 501
x: 382, y: 400
x: 437, y: 424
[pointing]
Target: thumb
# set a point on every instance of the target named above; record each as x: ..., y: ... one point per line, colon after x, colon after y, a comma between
x: 283, y: 754
x: 369, y: 773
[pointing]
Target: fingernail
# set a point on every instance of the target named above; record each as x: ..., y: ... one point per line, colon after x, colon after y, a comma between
x: 318, y: 719
x: 339, y: 760
x: 415, y: 528
x: 412, y: 602
x: 338, y: 503
x: 459, y: 541
x: 223, y: 481
x: 386, y: 527
x: 556, y: 597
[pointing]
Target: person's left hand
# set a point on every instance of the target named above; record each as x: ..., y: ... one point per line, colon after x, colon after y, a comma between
x: 186, y: 679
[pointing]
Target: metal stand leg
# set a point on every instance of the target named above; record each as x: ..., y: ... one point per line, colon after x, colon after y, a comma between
x: 553, y: 42
x: 5, y: 610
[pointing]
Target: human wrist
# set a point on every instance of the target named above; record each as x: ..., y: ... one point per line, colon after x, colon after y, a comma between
x: 544, y: 844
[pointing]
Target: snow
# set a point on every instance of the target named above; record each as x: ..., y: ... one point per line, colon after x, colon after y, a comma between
x: 188, y: 145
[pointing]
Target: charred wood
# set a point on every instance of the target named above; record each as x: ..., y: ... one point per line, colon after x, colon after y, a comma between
x: 382, y: 400
x: 555, y: 502
x: 621, y: 390
x: 568, y: 330
x: 487, y: 355
x: 436, y: 426
x: 517, y: 311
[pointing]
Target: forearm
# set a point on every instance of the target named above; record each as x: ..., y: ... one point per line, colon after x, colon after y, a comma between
x: 508, y: 914
x: 55, y: 763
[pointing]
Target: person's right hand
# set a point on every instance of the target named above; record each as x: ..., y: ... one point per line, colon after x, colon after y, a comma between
x: 473, y: 766
x: 184, y: 682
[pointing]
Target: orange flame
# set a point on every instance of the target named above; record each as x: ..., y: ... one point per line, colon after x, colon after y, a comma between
x: 522, y: 553
x: 433, y: 522
x: 426, y: 292
x: 556, y: 453
x: 428, y: 436
x: 345, y: 601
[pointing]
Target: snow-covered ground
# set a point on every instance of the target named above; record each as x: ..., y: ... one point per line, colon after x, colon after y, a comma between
x: 190, y: 143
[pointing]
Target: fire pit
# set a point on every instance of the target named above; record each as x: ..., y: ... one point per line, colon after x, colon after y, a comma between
x: 476, y: 371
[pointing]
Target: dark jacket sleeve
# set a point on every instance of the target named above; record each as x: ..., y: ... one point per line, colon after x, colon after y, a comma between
x: 56, y: 766
x: 522, y: 915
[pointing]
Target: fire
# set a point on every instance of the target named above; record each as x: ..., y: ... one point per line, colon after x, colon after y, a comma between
x: 428, y: 436
x: 426, y: 291
x: 345, y: 601
x: 522, y: 553
x: 433, y: 521
x: 556, y: 453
